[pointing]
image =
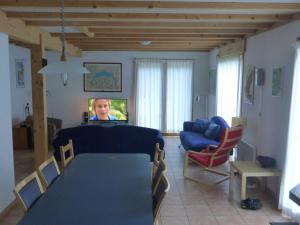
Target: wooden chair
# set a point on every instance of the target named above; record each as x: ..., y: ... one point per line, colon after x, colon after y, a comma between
x: 159, y: 194
x: 161, y: 169
x: 214, y: 156
x: 48, y: 171
x: 65, y: 160
x: 28, y: 191
x: 159, y: 155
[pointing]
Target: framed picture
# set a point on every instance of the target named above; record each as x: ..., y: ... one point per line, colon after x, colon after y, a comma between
x: 20, y: 73
x: 212, y: 82
x: 104, y: 77
x: 276, y: 82
x: 249, y: 84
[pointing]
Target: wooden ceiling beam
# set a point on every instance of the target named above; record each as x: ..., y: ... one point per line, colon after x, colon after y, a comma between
x: 182, y: 25
x: 108, y: 41
x: 17, y: 30
x: 76, y: 36
x: 151, y: 16
x: 151, y: 39
x: 155, y: 5
x: 85, y: 31
x: 152, y: 50
x: 171, y: 31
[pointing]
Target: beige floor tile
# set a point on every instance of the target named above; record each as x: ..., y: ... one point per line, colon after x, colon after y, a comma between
x: 172, y: 210
x: 174, y: 220
x: 193, y: 199
x: 202, y: 220
x: 257, y: 219
x: 231, y: 220
x: 224, y: 210
x: 198, y: 210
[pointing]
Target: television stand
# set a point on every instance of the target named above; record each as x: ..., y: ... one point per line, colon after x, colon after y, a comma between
x: 110, y: 123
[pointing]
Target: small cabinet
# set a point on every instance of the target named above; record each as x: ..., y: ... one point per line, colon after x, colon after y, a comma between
x: 20, y: 138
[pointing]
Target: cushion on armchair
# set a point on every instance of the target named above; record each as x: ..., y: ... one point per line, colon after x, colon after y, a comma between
x: 199, y: 134
x: 213, y: 131
x: 200, y: 126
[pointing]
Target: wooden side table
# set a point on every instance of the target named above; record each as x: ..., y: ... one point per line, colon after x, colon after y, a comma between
x: 20, y: 138
x: 249, y: 169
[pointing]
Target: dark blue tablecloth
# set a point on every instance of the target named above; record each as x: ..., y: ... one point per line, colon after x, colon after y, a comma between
x: 106, y: 189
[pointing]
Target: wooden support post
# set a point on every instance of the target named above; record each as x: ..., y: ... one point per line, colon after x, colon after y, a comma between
x: 39, y: 106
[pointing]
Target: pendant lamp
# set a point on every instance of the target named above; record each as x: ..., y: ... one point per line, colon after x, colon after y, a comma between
x: 63, y: 67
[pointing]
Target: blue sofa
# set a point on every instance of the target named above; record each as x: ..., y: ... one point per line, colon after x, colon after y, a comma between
x: 198, y: 134
x: 113, y: 139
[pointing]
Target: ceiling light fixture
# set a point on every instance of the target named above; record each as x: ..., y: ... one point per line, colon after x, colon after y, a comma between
x: 63, y: 67
x: 146, y: 42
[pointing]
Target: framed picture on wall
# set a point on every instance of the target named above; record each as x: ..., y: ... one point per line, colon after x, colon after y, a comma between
x: 276, y: 82
x: 20, y: 73
x: 249, y: 84
x: 103, y: 77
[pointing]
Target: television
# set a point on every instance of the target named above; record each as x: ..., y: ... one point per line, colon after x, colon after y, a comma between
x: 107, y: 109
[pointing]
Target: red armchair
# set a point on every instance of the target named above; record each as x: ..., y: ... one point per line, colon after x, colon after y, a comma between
x: 214, y: 156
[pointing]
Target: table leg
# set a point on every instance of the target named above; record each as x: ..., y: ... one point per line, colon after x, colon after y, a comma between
x: 243, y: 187
x: 231, y: 184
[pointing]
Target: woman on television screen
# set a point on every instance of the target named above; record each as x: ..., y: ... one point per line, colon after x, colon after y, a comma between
x: 101, y: 108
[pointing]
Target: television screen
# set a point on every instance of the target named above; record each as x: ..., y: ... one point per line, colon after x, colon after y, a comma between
x: 105, y: 109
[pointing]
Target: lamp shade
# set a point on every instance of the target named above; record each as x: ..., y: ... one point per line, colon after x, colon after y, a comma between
x: 63, y: 67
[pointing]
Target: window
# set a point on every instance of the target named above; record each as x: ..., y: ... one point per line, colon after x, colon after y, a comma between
x: 164, y: 93
x: 291, y: 175
x: 149, y: 93
x: 229, y: 87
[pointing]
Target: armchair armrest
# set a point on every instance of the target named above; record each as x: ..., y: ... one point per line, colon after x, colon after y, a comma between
x: 199, y: 153
x: 188, y: 125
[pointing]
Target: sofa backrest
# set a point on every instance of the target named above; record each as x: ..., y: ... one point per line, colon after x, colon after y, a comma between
x: 115, y: 139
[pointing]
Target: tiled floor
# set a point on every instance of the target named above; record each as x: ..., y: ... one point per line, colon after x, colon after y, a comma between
x: 191, y: 203
x: 187, y: 203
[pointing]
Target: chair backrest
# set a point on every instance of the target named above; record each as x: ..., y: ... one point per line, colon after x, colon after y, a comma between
x: 162, y: 168
x: 229, y: 139
x: 48, y: 171
x: 67, y: 158
x: 159, y: 155
x: 159, y: 194
x: 28, y: 191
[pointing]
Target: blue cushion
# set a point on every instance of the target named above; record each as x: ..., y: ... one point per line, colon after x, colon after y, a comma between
x: 30, y: 193
x: 200, y: 126
x: 195, y: 141
x: 213, y: 131
x: 50, y: 173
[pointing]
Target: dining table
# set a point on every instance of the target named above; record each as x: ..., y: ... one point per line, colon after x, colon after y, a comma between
x: 97, y: 189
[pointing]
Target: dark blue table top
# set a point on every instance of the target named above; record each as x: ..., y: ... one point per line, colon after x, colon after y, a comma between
x: 106, y: 189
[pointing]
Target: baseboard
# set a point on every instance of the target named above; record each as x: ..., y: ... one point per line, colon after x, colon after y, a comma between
x: 170, y: 134
x: 7, y: 209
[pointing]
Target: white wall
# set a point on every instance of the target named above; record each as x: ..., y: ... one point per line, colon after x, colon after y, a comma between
x: 213, y: 65
x: 68, y: 103
x: 7, y: 178
x: 268, y: 130
x: 20, y: 96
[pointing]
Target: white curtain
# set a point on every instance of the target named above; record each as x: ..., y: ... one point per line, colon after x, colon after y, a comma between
x: 229, y: 87
x: 291, y: 175
x: 149, y: 93
x: 178, y: 94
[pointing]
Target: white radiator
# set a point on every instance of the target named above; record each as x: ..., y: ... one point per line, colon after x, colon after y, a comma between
x: 246, y: 152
